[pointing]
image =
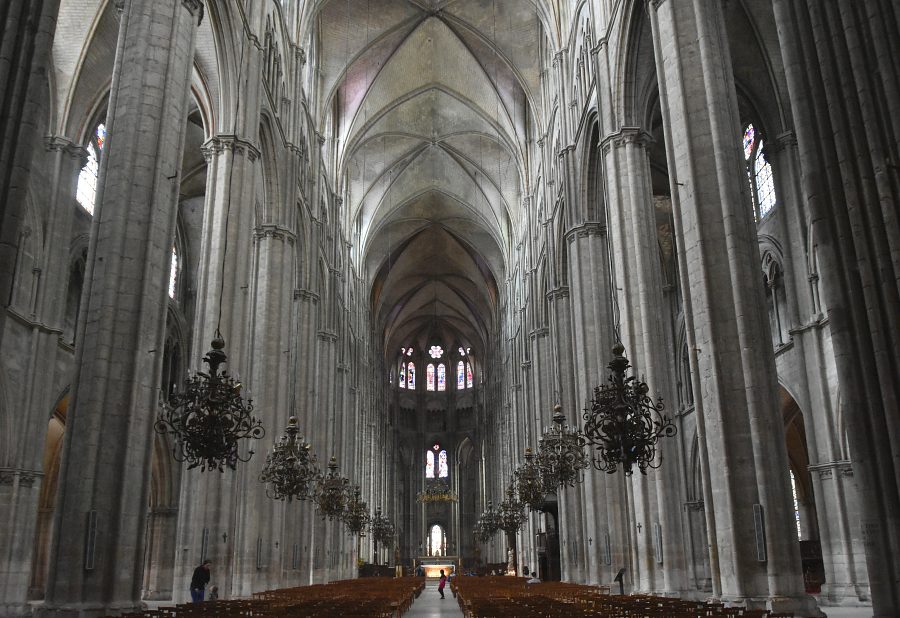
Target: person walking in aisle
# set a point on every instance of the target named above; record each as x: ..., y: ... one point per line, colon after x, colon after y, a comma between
x: 442, y: 583
x: 199, y: 581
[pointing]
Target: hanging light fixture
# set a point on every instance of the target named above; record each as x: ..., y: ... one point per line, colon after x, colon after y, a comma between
x: 529, y: 484
x: 209, y: 417
x: 436, y: 490
x: 290, y: 468
x: 511, y: 512
x: 331, y: 493
x: 623, y: 422
x: 381, y: 528
x: 561, y: 454
x: 356, y: 515
x: 487, y: 525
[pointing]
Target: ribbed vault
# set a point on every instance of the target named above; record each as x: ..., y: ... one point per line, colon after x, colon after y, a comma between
x: 431, y: 108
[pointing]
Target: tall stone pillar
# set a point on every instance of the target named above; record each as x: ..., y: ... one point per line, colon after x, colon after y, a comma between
x: 26, y: 36
x: 758, y: 558
x: 841, y: 72
x: 20, y: 479
x: 647, y: 340
x: 208, y: 503
x: 99, y: 533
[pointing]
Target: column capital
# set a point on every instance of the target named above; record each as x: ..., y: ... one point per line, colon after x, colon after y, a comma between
x: 59, y: 143
x: 625, y: 136
x: 218, y: 144
x: 585, y: 230
x: 275, y: 231
x: 195, y: 7
x: 558, y: 293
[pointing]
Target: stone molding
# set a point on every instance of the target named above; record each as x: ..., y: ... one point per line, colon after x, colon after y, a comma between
x: 274, y: 231
x: 26, y: 478
x: 626, y: 136
x: 558, y: 293
x: 584, y: 230
x: 307, y: 295
x: 58, y: 143
x: 195, y: 7
x: 327, y: 335
x: 343, y: 367
x: 539, y: 332
x: 827, y: 469
x: 218, y: 144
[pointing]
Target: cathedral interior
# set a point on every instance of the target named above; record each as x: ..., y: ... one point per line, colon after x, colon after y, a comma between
x: 419, y: 228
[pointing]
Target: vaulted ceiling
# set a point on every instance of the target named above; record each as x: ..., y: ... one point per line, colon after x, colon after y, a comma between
x: 431, y: 106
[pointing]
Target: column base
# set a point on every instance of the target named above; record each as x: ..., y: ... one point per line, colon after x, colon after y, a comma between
x: 15, y: 610
x: 86, y: 610
x: 800, y: 606
x: 845, y: 595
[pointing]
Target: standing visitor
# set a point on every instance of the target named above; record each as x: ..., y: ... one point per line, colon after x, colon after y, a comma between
x: 199, y: 581
x: 442, y: 583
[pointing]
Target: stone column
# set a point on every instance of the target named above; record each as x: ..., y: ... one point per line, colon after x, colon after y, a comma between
x: 208, y: 503
x: 725, y: 310
x: 26, y: 36
x: 44, y: 323
x: 99, y: 533
x: 647, y: 340
x: 840, y: 73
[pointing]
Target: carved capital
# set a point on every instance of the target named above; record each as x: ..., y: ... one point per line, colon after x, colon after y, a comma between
x: 274, y: 231
x: 558, y: 293
x: 327, y: 335
x: 218, y: 144
x: 627, y: 136
x: 58, y: 143
x: 307, y: 295
x: 195, y: 7
x: 585, y: 230
x: 538, y: 333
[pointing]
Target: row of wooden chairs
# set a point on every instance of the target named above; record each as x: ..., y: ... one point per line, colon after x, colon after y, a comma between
x: 493, y: 597
x: 374, y: 597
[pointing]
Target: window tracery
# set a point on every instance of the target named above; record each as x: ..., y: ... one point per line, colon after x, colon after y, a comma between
x: 86, y: 191
x: 759, y: 173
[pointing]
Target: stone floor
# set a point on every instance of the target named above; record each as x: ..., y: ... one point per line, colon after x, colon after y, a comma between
x: 847, y: 612
x: 430, y: 605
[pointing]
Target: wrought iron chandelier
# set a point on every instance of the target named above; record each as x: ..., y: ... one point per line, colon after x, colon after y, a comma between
x: 487, y: 525
x: 623, y: 422
x: 290, y: 468
x: 511, y: 512
x: 381, y: 528
x: 529, y: 483
x: 356, y: 515
x: 561, y: 456
x: 436, y: 490
x: 209, y: 417
x: 332, y: 492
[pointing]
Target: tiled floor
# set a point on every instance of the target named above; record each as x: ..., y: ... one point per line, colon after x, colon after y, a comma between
x: 430, y: 605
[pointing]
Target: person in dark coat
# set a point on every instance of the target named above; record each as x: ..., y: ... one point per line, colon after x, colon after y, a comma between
x: 199, y: 581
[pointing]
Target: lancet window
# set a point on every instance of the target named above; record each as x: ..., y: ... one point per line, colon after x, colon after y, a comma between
x: 86, y: 192
x: 759, y: 173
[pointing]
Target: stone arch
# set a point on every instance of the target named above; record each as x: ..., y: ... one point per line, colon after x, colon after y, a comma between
x: 594, y: 195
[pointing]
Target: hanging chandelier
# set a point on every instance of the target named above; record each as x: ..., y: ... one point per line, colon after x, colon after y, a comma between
x: 381, y: 528
x: 529, y: 484
x: 331, y: 493
x: 487, y: 525
x: 209, y: 417
x: 623, y: 422
x: 356, y: 515
x: 290, y: 468
x: 561, y: 455
x: 436, y: 490
x: 511, y: 512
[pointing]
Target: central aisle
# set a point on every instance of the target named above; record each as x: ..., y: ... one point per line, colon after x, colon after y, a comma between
x: 429, y: 604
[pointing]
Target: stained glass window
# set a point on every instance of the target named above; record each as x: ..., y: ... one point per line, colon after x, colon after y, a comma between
x: 796, y: 504
x: 460, y: 375
x: 86, y: 192
x: 759, y: 173
x: 442, y: 377
x: 429, y: 465
x: 469, y: 379
x: 402, y: 375
x: 429, y: 377
x: 173, y: 273
x: 436, y: 351
x: 436, y: 541
x: 443, y: 469
x: 411, y: 376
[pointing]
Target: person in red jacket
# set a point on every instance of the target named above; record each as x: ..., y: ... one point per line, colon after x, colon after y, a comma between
x: 442, y: 583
